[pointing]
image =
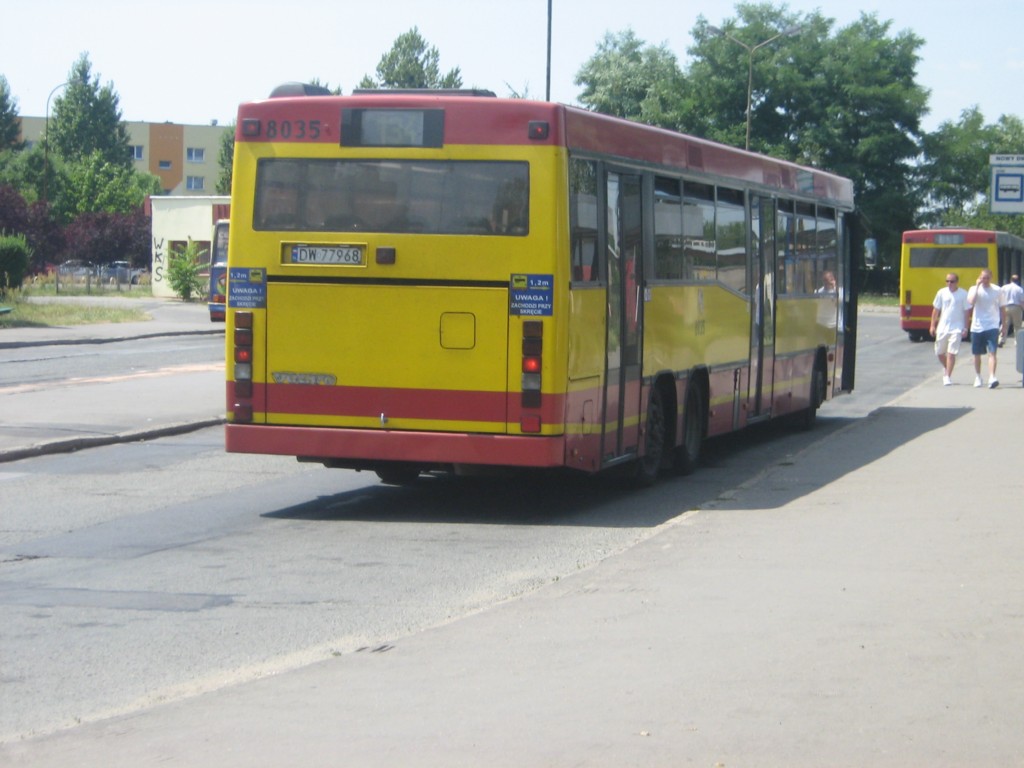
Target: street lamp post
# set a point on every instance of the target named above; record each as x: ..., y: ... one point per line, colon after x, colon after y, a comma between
x: 46, y: 137
x: 750, y: 49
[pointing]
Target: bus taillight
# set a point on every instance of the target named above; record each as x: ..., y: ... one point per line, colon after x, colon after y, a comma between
x: 533, y: 346
x: 243, y: 366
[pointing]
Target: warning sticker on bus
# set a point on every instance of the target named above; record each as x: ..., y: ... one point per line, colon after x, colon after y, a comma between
x: 247, y: 288
x: 531, y: 295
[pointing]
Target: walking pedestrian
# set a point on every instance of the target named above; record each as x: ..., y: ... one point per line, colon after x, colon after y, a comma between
x: 988, y: 319
x: 950, y: 317
x: 1013, y: 303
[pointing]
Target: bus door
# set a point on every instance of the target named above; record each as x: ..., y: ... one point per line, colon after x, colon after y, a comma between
x: 762, y: 331
x: 624, y: 247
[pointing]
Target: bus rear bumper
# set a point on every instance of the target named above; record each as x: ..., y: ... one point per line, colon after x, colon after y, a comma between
x: 363, y: 447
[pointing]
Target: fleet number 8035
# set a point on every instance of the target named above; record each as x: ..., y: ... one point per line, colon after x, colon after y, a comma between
x: 299, y: 130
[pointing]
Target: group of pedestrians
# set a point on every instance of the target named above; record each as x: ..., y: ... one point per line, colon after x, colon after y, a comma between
x: 989, y: 311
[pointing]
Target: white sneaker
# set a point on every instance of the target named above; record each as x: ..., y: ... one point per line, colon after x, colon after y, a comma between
x: 977, y: 381
x: 993, y: 383
x: 946, y: 381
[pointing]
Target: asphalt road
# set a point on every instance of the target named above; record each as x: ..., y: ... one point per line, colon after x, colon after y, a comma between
x: 804, y: 599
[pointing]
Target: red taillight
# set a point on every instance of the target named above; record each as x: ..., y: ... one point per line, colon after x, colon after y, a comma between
x: 533, y: 346
x: 243, y: 337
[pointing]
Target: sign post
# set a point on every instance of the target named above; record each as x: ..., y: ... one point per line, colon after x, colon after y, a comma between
x: 1007, y: 183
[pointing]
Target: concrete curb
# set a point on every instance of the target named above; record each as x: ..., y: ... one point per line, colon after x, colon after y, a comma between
x: 73, y: 444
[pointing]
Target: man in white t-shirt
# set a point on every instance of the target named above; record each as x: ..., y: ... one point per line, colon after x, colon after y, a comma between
x: 950, y: 316
x: 1013, y: 304
x: 988, y: 319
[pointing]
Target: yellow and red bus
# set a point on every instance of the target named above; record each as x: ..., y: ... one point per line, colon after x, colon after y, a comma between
x: 424, y: 281
x: 928, y: 255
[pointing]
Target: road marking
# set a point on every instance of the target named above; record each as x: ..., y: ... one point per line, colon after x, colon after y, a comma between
x: 172, y: 370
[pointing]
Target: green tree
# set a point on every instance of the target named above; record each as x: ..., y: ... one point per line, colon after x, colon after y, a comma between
x: 183, y: 270
x: 94, y: 184
x: 86, y: 119
x: 955, y: 175
x: 226, y: 159
x: 10, y: 125
x: 411, y: 63
x: 632, y: 80
x: 14, y: 260
x: 954, y: 169
x: 846, y: 102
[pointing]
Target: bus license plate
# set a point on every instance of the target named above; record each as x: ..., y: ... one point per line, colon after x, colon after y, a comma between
x: 327, y: 254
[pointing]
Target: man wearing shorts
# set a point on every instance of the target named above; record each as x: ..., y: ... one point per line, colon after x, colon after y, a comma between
x: 987, y: 322
x: 950, y: 316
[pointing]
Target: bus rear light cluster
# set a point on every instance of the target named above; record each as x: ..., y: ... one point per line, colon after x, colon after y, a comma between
x: 533, y: 347
x: 243, y: 366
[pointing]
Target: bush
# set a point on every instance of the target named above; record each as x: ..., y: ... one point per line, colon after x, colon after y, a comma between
x: 183, y: 271
x: 14, y: 260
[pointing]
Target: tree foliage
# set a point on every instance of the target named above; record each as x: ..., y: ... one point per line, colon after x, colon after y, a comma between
x: 226, y: 159
x: 87, y: 119
x: 101, y: 237
x: 14, y: 261
x: 94, y: 184
x: 844, y: 100
x: 183, y: 270
x: 10, y: 125
x: 411, y: 63
x: 631, y: 80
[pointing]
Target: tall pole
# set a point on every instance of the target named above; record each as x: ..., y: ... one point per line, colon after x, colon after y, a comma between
x: 547, y: 90
x: 46, y: 138
x: 750, y: 61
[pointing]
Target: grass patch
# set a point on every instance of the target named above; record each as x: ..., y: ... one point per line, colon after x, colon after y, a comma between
x: 32, y: 314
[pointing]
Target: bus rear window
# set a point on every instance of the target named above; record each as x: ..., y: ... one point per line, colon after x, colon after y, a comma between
x: 395, y: 196
x: 948, y: 258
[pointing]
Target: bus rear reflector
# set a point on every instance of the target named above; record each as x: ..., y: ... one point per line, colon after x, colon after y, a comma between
x: 529, y: 424
x: 250, y: 128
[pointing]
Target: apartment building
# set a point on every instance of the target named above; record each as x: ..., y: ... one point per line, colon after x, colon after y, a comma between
x: 183, y: 157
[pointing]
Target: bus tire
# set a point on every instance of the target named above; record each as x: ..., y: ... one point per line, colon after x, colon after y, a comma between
x: 687, y: 454
x: 649, y: 465
x: 807, y: 418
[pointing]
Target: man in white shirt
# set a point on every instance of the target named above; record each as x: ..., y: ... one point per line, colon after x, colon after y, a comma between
x: 950, y: 315
x: 989, y: 317
x: 1013, y: 304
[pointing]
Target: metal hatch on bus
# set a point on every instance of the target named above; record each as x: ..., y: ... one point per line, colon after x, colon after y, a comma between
x: 396, y: 356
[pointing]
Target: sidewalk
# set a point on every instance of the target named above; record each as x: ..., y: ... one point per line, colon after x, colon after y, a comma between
x: 858, y: 603
x: 171, y: 317
x: 99, y: 412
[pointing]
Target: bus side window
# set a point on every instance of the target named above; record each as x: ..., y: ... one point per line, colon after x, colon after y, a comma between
x: 586, y: 259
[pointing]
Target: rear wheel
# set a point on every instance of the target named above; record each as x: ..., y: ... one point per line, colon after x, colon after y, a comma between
x: 648, y: 465
x: 687, y: 455
x: 809, y: 417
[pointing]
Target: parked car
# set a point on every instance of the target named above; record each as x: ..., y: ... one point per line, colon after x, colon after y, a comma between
x: 121, y: 272
x: 76, y: 271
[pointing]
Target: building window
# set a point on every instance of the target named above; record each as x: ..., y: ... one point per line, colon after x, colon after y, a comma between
x: 195, y: 154
x: 195, y: 182
x: 136, y: 151
x: 165, y: 165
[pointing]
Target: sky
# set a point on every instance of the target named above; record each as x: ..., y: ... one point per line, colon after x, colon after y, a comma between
x: 193, y: 62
